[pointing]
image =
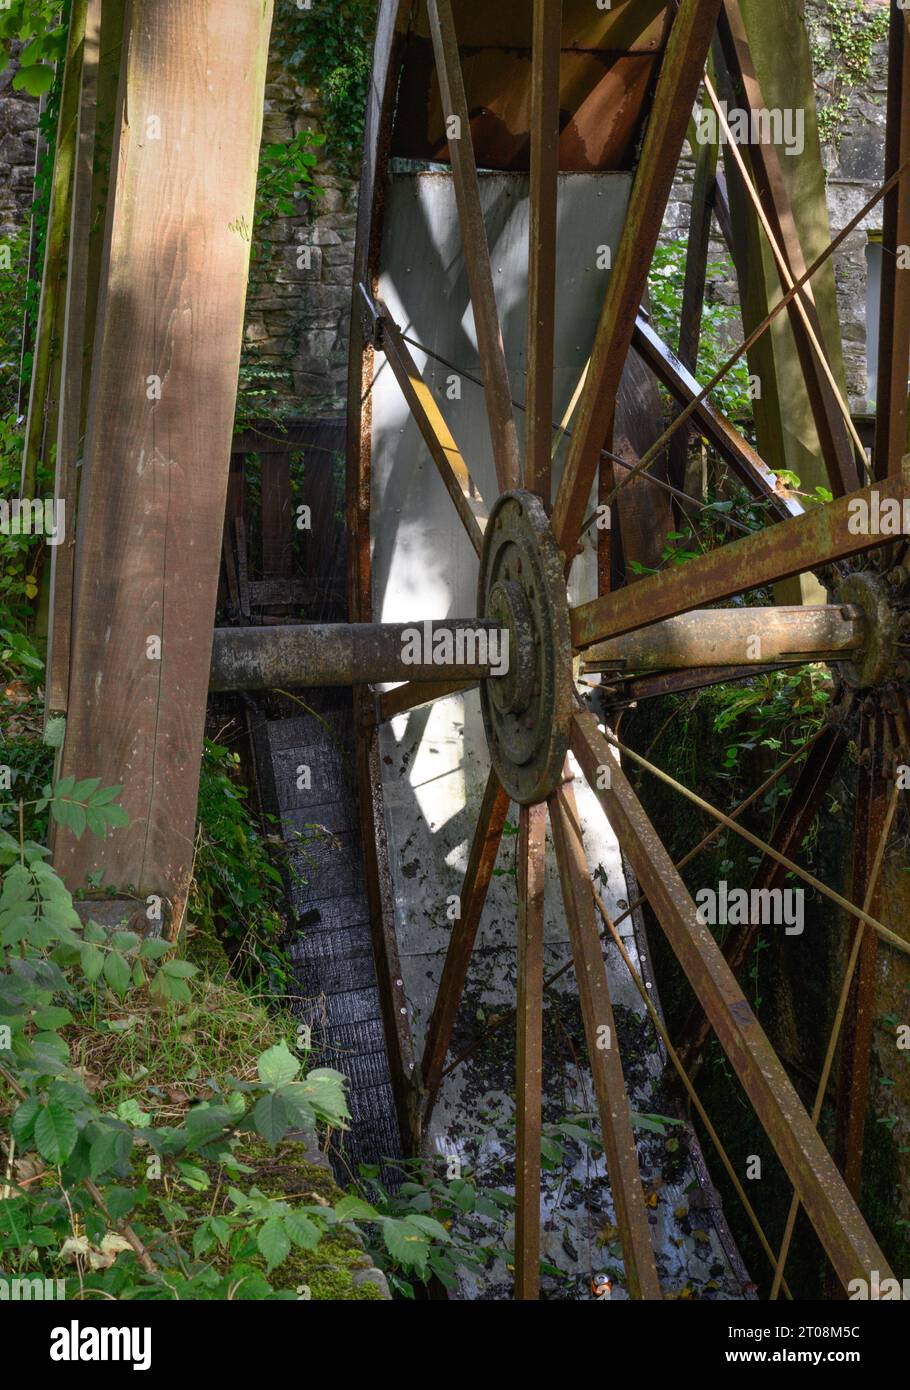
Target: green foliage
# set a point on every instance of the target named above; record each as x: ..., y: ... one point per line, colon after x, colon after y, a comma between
x: 719, y: 322
x: 286, y: 176
x: 330, y: 48
x: 20, y: 561
x: 842, y: 44
x: 286, y: 187
x: 36, y: 23
x: 237, y: 892
x: 432, y: 1226
x: 53, y: 971
x: 779, y: 711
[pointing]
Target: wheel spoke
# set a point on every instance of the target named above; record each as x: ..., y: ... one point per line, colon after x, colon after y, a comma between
x: 414, y: 694
x: 698, y: 245
x: 546, y: 54
x: 802, y: 807
x: 748, y: 465
x: 481, y: 861
x: 872, y: 821
x: 657, y: 448
x: 476, y: 249
x: 791, y: 547
x: 836, y: 1218
x: 884, y: 932
x: 678, y: 682
x: 677, y: 87
x: 529, y: 1048
x: 436, y: 434
x: 603, y: 1048
x: 883, y: 825
x: 680, y: 1070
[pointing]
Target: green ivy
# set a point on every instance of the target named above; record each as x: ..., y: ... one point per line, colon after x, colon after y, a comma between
x: 329, y: 47
x: 842, y: 40
x: 718, y: 322
x: 41, y: 25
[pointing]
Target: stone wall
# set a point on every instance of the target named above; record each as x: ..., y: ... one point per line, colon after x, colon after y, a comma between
x: 854, y: 163
x: 855, y: 167
x: 298, y: 304
x: 297, y: 314
x: 18, y: 131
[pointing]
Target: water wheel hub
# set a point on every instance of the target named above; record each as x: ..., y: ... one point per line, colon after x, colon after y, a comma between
x: 879, y: 660
x: 522, y: 586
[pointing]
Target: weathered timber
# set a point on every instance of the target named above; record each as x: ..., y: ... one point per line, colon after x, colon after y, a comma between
x: 164, y: 380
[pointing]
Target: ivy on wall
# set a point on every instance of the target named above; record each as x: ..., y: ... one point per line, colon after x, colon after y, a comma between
x: 843, y: 35
x: 329, y: 46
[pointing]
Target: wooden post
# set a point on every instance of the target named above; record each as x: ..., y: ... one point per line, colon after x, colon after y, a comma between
x: 787, y: 433
x: 77, y: 321
x: 788, y: 436
x: 158, y: 442
x: 41, y: 423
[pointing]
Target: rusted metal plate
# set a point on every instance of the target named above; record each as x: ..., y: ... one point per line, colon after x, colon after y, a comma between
x: 624, y: 26
x: 605, y: 93
x: 607, y: 65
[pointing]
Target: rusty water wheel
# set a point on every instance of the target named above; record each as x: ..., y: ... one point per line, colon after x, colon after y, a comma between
x: 522, y: 532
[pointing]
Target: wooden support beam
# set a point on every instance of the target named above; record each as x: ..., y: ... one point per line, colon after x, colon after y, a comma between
x: 545, y: 64
x: 78, y: 324
x: 277, y: 516
x: 793, y: 382
x: 495, y: 373
x: 891, y: 439
x: 677, y: 87
x: 41, y: 423
x: 164, y: 380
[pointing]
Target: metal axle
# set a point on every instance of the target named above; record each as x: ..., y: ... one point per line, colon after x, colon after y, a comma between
x: 317, y: 654
x: 734, y: 637
x: 321, y: 654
